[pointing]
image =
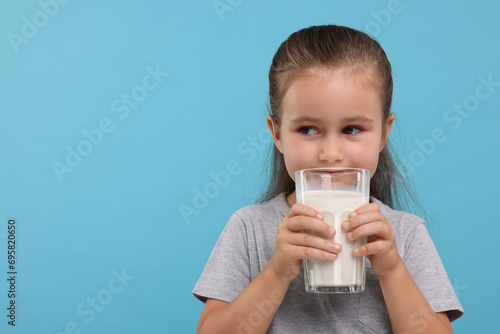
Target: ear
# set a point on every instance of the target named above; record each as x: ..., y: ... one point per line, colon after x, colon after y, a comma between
x: 388, y: 127
x: 275, y: 132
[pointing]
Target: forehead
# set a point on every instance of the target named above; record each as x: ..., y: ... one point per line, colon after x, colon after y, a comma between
x: 331, y: 93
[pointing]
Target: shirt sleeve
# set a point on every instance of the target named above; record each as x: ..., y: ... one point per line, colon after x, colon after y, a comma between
x: 227, y: 272
x: 426, y: 268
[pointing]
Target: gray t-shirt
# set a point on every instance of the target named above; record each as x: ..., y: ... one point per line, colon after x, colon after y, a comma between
x: 247, y: 243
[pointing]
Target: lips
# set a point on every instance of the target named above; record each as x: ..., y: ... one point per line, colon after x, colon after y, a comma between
x: 331, y: 170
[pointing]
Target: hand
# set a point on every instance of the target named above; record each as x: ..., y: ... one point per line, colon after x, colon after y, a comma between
x: 293, y: 245
x: 381, y: 249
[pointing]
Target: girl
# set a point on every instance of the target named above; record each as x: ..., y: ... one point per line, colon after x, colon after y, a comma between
x: 330, y: 91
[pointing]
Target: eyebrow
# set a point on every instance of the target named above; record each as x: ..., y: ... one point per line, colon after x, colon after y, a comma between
x: 351, y: 119
x: 304, y: 119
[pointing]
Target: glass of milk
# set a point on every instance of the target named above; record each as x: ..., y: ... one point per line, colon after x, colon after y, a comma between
x: 334, y: 192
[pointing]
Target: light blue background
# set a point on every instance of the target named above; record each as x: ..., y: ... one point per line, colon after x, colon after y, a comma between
x: 119, y: 208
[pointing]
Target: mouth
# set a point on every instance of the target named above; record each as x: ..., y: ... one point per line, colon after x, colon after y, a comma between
x: 331, y: 170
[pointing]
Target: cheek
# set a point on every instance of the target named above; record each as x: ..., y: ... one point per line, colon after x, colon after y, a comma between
x: 293, y: 157
x: 372, y: 160
x: 299, y: 150
x: 292, y: 146
x: 367, y: 153
x: 297, y: 155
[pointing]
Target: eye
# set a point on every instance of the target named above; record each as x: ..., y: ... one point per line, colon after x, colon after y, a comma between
x: 308, y: 130
x: 351, y: 130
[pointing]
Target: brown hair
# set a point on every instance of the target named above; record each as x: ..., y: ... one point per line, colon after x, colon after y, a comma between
x: 331, y: 47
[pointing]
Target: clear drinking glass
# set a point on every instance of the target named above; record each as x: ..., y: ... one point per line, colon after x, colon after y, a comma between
x: 335, y: 192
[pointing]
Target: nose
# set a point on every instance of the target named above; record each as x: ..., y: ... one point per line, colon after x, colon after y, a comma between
x: 331, y: 151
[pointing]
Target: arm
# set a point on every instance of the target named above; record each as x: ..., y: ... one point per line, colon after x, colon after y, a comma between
x: 254, y: 308
x: 251, y: 312
x: 408, y: 309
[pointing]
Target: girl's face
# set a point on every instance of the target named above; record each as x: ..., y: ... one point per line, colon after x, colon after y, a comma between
x: 329, y: 120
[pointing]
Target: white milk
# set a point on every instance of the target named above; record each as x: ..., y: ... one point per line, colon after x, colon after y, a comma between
x: 335, y: 206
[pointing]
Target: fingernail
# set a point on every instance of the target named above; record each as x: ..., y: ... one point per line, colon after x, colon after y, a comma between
x: 333, y: 256
x: 349, y: 235
x: 336, y: 247
x: 355, y: 251
x: 346, y: 225
x: 331, y: 231
x: 352, y: 214
x: 319, y: 215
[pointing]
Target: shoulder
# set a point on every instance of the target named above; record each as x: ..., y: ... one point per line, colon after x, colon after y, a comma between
x: 403, y: 219
x: 275, y: 208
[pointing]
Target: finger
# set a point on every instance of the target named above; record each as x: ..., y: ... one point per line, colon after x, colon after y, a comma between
x: 300, y: 223
x: 371, y: 248
x: 365, y: 208
x: 302, y: 252
x: 310, y: 240
x: 362, y: 218
x: 303, y: 210
x: 377, y: 228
